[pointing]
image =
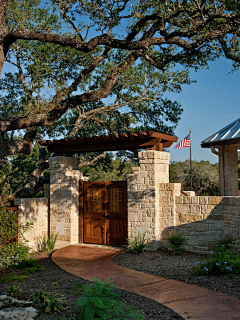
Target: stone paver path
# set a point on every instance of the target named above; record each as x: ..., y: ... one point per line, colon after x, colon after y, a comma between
x: 187, y: 300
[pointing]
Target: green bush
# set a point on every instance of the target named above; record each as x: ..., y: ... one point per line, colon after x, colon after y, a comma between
x: 13, y: 253
x: 10, y: 228
x: 221, y: 261
x: 176, y: 241
x: 48, y: 301
x: 137, y: 244
x: 14, y: 291
x: 101, y: 302
x: 46, y: 245
x: 227, y: 242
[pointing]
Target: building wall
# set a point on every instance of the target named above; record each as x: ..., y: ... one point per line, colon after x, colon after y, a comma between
x: 64, y: 199
x: 155, y: 206
x: 229, y: 166
x: 143, y: 195
x: 36, y: 211
x: 205, y: 220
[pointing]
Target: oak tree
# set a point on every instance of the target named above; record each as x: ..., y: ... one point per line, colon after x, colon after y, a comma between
x: 69, y: 56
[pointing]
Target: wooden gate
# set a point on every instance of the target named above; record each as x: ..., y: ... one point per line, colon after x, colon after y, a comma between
x: 105, y: 212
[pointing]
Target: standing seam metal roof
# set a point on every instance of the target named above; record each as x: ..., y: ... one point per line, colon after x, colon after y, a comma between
x: 228, y: 135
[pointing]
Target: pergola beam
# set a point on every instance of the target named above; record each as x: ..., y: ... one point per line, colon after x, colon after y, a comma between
x: 122, y: 141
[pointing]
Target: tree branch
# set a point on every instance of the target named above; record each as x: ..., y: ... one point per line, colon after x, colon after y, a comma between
x: 227, y: 51
x: 89, y: 163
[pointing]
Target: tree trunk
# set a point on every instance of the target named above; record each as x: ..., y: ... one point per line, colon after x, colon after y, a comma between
x: 3, y: 30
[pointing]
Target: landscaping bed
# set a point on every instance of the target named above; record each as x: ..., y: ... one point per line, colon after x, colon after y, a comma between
x: 165, y: 263
x: 54, y: 279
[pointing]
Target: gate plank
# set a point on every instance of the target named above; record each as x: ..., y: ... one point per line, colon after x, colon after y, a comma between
x: 105, y: 212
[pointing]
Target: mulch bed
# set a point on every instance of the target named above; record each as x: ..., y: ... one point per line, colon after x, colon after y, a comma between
x: 164, y: 263
x: 54, y: 279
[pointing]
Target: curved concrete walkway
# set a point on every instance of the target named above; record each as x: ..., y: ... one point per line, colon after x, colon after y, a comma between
x: 187, y: 300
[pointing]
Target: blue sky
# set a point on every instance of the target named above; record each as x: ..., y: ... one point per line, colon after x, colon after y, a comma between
x: 209, y: 105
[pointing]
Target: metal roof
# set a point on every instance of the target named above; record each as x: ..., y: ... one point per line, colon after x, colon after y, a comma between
x: 226, y: 136
x: 122, y: 141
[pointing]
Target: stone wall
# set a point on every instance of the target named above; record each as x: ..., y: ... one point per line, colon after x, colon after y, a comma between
x: 64, y: 198
x: 205, y: 220
x: 143, y: 195
x: 229, y: 165
x: 156, y: 207
x: 36, y: 211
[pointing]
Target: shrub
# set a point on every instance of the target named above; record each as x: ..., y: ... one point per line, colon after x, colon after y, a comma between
x: 14, y: 291
x: 13, y: 253
x: 10, y: 228
x: 46, y: 245
x: 100, y: 301
x: 176, y: 241
x: 227, y: 242
x: 48, y: 301
x: 221, y: 261
x: 137, y: 244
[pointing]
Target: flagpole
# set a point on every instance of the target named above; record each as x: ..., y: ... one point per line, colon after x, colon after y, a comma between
x: 190, y: 157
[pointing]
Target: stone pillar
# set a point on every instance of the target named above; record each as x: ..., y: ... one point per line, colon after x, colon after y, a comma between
x: 143, y: 195
x: 229, y: 170
x: 64, y: 199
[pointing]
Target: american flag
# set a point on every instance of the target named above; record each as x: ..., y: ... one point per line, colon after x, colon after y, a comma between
x: 186, y: 142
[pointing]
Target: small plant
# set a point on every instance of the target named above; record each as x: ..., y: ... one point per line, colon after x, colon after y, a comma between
x: 221, y: 261
x: 227, y: 242
x: 48, y: 301
x: 14, y: 291
x: 46, y: 245
x: 137, y: 244
x: 176, y: 241
x: 100, y: 301
x: 12, y: 277
x: 76, y: 289
x: 30, y: 265
x: 32, y: 270
x: 72, y: 316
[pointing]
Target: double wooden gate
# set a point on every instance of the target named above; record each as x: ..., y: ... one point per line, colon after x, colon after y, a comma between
x: 104, y: 210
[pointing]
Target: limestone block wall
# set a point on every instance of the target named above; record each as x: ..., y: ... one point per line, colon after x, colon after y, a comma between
x: 36, y: 211
x: 205, y: 220
x: 143, y: 195
x: 201, y: 220
x: 64, y: 198
x: 167, y: 194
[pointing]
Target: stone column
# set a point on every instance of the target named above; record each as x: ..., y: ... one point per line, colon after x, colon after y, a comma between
x: 229, y: 165
x: 143, y: 195
x: 64, y: 199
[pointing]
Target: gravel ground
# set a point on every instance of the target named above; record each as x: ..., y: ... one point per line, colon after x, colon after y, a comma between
x: 166, y: 264
x: 160, y: 263
x: 54, y: 279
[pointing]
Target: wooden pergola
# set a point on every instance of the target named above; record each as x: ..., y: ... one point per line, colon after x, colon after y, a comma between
x: 149, y: 140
